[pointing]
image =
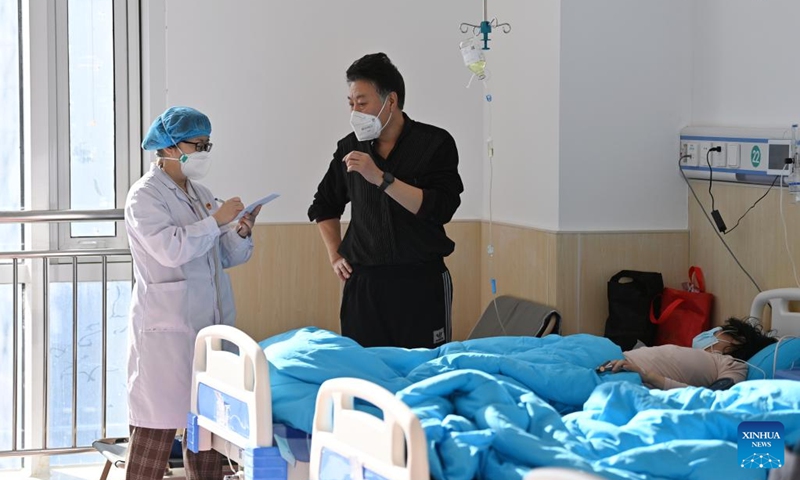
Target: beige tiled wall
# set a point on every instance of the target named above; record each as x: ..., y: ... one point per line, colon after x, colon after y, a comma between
x: 601, y: 255
x: 570, y: 270
x: 758, y: 242
x: 289, y: 284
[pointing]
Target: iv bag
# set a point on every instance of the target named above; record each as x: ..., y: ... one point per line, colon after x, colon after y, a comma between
x: 473, y: 57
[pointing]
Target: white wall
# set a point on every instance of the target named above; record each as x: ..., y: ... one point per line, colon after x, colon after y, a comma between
x: 589, y: 97
x: 625, y: 95
x: 746, y: 68
x: 524, y: 66
x: 270, y: 75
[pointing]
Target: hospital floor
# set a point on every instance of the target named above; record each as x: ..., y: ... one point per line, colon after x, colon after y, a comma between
x: 84, y: 472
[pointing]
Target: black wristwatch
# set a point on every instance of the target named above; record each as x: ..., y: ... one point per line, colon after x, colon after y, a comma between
x: 388, y: 179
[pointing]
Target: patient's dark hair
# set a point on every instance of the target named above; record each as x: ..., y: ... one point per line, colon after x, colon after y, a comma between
x: 751, y: 339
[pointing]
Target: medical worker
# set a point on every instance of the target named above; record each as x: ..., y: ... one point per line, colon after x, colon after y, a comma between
x: 181, y: 240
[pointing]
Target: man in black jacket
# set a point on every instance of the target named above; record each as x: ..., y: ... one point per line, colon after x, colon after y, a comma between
x: 401, y: 178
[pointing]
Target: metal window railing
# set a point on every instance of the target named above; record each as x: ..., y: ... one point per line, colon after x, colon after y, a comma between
x: 54, y: 257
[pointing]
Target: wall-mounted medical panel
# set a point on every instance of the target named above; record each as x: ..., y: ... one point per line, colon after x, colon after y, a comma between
x: 748, y: 155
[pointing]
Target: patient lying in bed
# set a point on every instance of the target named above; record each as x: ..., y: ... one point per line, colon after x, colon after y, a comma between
x: 718, y: 354
x: 496, y: 407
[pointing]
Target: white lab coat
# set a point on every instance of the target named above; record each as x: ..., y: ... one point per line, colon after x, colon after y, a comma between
x: 179, y: 254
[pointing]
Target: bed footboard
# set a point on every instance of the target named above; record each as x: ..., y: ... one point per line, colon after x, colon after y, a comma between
x: 393, y: 448
x: 231, y: 408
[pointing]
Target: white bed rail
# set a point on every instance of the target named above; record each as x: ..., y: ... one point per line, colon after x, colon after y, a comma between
x: 246, y: 375
x: 784, y: 321
x: 394, y: 447
x: 559, y: 474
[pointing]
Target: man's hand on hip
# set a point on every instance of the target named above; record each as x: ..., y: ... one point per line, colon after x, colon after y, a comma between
x: 341, y: 268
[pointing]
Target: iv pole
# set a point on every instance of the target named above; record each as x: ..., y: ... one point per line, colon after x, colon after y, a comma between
x: 485, y: 27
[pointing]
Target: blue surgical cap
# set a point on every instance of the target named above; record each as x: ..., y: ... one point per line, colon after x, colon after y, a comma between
x: 175, y: 125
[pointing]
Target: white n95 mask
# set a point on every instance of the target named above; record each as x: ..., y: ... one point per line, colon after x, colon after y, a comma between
x: 368, y: 127
x: 195, y: 165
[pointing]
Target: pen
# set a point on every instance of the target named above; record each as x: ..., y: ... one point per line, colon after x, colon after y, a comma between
x: 219, y: 200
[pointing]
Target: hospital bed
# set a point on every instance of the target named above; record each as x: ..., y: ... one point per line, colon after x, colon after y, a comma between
x: 231, y: 412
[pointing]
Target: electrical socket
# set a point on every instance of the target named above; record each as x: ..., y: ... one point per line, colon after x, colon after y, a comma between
x: 691, y: 153
x: 733, y: 155
x: 704, y: 158
x: 718, y: 159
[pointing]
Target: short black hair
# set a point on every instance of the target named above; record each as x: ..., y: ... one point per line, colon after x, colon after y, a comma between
x: 378, y: 69
x: 751, y: 339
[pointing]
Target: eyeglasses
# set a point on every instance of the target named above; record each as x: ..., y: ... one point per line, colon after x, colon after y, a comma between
x: 200, y: 146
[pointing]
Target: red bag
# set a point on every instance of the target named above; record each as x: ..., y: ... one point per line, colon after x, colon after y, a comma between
x: 684, y: 313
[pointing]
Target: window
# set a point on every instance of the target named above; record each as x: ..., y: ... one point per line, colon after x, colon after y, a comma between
x: 10, y: 199
x: 69, y: 130
x: 92, y: 89
x: 10, y: 121
x: 91, y: 112
x: 89, y: 393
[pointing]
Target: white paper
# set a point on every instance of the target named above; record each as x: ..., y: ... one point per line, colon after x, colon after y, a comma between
x: 261, y: 201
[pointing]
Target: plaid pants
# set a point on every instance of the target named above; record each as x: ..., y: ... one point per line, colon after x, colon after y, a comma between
x: 148, y: 452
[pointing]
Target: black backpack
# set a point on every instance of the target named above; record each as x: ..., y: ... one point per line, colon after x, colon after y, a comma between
x: 630, y: 294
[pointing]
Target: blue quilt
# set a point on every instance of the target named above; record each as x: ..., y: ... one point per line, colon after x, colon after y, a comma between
x: 495, y: 408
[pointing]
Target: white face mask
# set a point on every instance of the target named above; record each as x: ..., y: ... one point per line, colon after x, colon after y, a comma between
x: 195, y: 165
x: 368, y: 127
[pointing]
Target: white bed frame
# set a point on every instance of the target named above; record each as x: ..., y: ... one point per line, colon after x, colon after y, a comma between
x: 786, y: 322
x: 235, y: 381
x: 394, y: 448
x: 243, y: 381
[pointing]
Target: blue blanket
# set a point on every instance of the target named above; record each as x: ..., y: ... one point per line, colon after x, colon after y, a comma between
x: 495, y: 408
